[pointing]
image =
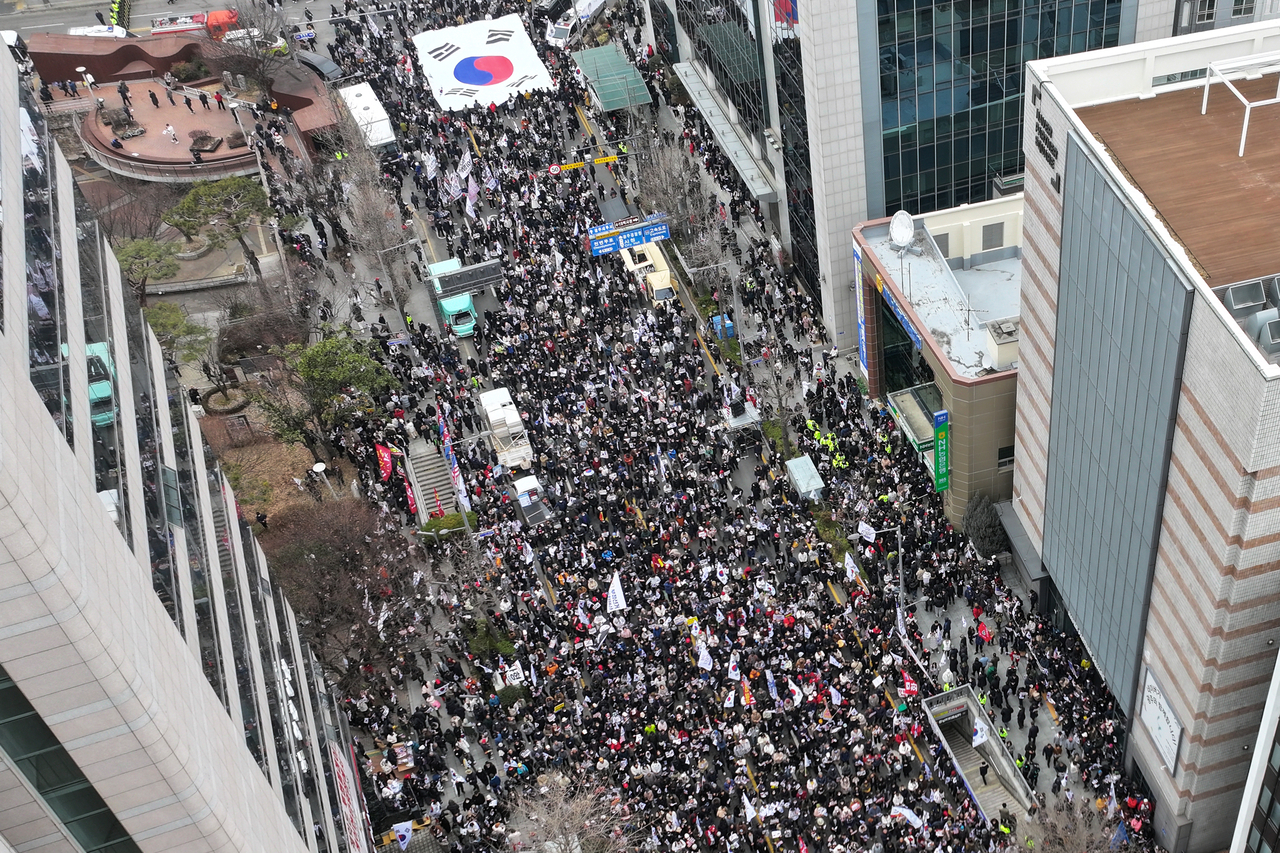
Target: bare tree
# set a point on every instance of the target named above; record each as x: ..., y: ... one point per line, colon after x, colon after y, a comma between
x: 258, y: 57
x: 1070, y: 827
x: 136, y: 213
x: 563, y: 815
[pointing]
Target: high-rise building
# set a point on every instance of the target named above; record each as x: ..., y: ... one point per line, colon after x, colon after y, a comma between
x: 836, y: 113
x: 1146, y: 489
x: 154, y: 695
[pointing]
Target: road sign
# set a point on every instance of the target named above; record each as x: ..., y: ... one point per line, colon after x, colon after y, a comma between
x: 553, y: 169
x: 578, y: 165
x: 610, y: 239
x: 612, y: 158
x: 941, y: 451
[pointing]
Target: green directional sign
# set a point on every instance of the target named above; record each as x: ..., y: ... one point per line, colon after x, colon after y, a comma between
x: 941, y: 451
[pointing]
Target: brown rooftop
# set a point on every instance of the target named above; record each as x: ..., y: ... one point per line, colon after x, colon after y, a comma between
x: 1221, y: 207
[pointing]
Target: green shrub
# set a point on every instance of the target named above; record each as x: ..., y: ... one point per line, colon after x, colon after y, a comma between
x: 451, y: 522
x: 982, y: 525
x: 187, y: 72
x: 488, y: 642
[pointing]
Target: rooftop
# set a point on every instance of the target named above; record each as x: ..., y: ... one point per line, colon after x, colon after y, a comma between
x: 1221, y: 207
x: 954, y: 305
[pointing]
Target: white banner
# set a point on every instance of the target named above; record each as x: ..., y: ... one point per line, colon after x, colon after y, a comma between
x: 616, y: 599
x: 348, y: 800
x: 480, y: 63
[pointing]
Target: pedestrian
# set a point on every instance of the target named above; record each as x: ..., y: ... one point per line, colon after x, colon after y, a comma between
x: 217, y: 96
x: 71, y: 87
x: 982, y: 770
x: 90, y: 80
x: 168, y: 93
x: 155, y: 102
x: 204, y: 100
x: 261, y: 518
x: 186, y: 99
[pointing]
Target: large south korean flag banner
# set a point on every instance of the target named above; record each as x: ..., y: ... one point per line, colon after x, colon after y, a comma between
x: 483, y: 62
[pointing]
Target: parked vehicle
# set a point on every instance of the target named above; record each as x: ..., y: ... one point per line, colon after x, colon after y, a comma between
x: 459, y: 315
x: 527, y: 494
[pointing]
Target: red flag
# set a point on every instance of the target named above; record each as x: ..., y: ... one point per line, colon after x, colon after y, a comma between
x: 384, y: 461
x: 909, y: 686
x: 984, y: 632
x: 747, y: 699
x: 439, y: 513
x: 408, y: 492
x: 804, y: 848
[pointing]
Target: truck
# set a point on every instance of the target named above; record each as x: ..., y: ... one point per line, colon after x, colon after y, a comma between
x: 506, y: 428
x: 569, y: 25
x: 217, y: 24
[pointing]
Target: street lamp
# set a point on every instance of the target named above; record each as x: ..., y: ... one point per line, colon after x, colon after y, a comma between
x: 319, y: 468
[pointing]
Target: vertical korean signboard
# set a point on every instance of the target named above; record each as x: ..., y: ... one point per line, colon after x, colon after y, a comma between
x: 941, y: 451
x: 862, y: 320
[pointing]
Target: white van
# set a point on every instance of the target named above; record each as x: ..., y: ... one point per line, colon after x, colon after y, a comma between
x: 103, y: 31
x: 570, y: 24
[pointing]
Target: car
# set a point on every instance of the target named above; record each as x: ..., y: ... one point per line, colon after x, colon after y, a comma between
x: 253, y: 36
x: 324, y: 67
x: 459, y: 314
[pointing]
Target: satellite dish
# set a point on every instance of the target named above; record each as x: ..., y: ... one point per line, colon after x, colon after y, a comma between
x: 902, y: 230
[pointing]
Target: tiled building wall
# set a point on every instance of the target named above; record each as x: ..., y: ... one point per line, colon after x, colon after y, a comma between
x: 1041, y: 239
x: 1215, y: 587
x: 832, y: 83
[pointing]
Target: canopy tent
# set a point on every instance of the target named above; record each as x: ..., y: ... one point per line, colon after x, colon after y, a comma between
x: 615, y: 81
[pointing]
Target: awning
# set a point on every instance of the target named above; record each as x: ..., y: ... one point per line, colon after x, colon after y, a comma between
x: 912, y: 410
x: 804, y: 476
x: 1024, y: 553
x: 616, y: 82
x: 752, y: 173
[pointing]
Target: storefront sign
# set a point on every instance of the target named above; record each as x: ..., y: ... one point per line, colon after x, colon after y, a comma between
x: 902, y: 318
x: 862, y: 319
x: 941, y: 450
x: 348, y: 801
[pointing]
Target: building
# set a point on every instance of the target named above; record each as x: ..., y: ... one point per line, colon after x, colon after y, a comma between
x: 154, y: 695
x: 1147, y: 488
x: 938, y: 333
x: 837, y: 113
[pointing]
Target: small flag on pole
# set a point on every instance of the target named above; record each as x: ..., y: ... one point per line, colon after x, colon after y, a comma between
x: 404, y: 832
x: 616, y: 599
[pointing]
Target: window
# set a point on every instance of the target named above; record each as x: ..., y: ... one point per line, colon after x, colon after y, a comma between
x: 1242, y: 8
x: 1004, y: 458
x: 1206, y: 10
x: 992, y: 236
x: 39, y: 756
x: 172, y: 497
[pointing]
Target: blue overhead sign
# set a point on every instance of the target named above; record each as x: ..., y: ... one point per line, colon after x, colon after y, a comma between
x: 613, y: 236
x: 627, y: 239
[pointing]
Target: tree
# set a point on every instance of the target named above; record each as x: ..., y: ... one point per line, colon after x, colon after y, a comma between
x: 143, y: 260
x: 323, y: 557
x: 324, y: 383
x: 982, y: 525
x: 225, y: 209
x: 1070, y: 827
x: 563, y: 815
x: 181, y: 339
x: 247, y: 55
x: 136, y: 214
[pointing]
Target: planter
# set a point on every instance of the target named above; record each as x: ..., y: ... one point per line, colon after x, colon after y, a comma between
x: 200, y: 246
x: 236, y: 403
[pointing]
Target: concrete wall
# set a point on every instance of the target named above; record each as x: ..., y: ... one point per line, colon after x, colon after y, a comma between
x: 962, y: 226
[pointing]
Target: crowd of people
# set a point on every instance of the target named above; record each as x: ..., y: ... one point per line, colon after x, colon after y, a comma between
x: 756, y: 690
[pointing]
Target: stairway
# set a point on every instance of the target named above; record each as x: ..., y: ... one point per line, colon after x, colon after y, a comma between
x: 990, y: 795
x: 430, y: 476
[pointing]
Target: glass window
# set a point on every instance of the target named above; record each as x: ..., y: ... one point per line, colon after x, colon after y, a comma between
x: 67, y: 793
x: 1206, y: 10
x: 1241, y: 8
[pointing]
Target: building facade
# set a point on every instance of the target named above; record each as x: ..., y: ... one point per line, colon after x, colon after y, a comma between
x: 938, y: 331
x: 154, y: 695
x: 1148, y: 475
